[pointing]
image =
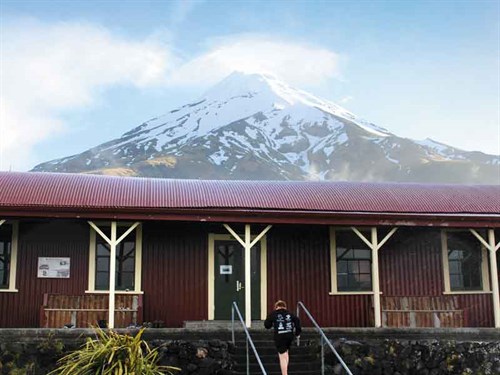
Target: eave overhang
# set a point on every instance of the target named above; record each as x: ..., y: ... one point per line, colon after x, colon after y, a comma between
x: 236, y: 215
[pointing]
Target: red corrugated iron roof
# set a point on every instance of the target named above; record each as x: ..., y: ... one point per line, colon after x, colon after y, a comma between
x: 78, y: 191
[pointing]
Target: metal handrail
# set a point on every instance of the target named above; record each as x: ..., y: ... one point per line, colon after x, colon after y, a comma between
x: 234, y: 307
x: 323, y: 339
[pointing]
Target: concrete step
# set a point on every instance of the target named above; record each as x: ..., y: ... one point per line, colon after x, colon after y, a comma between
x: 297, y: 372
x: 269, y: 351
x: 275, y: 366
x: 303, y: 359
x: 297, y: 357
x: 219, y: 324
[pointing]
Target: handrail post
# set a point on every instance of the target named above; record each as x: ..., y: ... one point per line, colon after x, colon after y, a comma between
x: 232, y: 324
x: 322, y: 356
x: 324, y: 340
x: 248, y: 360
x: 298, y: 317
x: 249, y: 341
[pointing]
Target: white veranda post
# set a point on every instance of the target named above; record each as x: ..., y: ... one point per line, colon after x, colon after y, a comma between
x: 247, y: 244
x: 492, y: 247
x: 112, y: 242
x: 375, y: 246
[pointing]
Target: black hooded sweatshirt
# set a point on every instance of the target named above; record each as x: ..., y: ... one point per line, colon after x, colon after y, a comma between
x: 283, y: 321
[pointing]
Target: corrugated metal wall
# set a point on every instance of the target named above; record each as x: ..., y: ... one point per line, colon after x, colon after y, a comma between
x: 39, y: 239
x: 411, y: 265
x: 478, y: 309
x: 299, y: 269
x: 175, y: 273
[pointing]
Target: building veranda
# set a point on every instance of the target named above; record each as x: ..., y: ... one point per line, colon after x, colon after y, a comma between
x: 357, y: 254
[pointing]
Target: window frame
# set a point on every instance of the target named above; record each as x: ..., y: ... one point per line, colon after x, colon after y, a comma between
x: 333, y: 265
x: 92, y: 260
x: 14, y: 245
x: 486, y: 288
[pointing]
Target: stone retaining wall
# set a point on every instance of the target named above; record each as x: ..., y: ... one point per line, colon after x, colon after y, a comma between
x: 36, y: 352
x: 40, y: 357
x: 393, y: 357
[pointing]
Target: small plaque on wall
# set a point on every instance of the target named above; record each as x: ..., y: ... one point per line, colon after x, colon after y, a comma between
x: 226, y: 269
x: 53, y: 268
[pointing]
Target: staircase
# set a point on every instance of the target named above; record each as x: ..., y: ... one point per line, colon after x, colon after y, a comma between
x: 304, y: 360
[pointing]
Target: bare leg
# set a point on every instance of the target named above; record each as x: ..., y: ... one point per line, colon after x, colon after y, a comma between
x: 284, y: 362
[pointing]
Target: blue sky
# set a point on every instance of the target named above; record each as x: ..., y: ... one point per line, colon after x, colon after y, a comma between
x: 79, y: 73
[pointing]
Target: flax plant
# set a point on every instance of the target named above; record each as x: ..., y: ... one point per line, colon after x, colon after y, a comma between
x: 112, y: 353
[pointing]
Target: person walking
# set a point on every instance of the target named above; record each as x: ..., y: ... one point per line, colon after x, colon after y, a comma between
x: 286, y: 326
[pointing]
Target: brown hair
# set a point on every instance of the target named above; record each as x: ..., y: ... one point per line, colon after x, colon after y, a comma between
x: 280, y: 304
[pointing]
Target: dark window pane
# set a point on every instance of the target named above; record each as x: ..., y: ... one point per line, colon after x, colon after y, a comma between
x: 352, y: 281
x: 343, y: 253
x: 5, y: 253
x: 455, y: 267
x: 364, y: 266
x: 365, y: 277
x: 362, y: 253
x: 342, y: 266
x: 102, y: 249
x: 455, y: 282
x: 102, y: 264
x: 126, y: 282
x: 342, y: 282
x: 128, y: 265
x: 465, y: 261
x: 128, y: 246
x: 365, y: 281
x: 102, y: 280
x: 353, y: 267
x: 353, y: 262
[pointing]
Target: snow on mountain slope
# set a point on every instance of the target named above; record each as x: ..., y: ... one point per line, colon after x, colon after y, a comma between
x: 255, y: 126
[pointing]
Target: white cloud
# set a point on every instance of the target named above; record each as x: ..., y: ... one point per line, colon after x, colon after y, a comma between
x: 346, y: 99
x: 295, y: 63
x: 48, y: 70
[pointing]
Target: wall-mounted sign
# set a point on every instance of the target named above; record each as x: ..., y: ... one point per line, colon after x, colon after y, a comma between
x: 226, y: 269
x: 54, y: 268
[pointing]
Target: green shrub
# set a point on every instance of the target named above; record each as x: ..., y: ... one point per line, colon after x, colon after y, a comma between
x: 113, y: 354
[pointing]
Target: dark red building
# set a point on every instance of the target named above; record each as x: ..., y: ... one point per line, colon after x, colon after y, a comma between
x: 357, y: 254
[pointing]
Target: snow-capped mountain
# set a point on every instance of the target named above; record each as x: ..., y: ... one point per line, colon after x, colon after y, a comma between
x: 252, y: 126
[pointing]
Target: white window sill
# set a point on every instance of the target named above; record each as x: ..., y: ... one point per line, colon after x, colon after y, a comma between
x: 9, y: 290
x: 116, y: 292
x: 350, y: 293
x: 469, y: 292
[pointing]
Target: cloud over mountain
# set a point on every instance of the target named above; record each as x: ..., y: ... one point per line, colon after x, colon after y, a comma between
x: 49, y: 71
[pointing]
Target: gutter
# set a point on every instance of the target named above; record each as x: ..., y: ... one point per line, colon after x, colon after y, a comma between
x: 263, y: 216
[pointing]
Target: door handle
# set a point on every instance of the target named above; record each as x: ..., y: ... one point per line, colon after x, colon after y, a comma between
x: 239, y: 285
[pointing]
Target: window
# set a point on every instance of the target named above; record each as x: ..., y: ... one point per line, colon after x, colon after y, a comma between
x: 128, y: 260
x: 125, y: 264
x: 351, y: 263
x: 465, y: 262
x: 8, y: 257
x: 5, y: 253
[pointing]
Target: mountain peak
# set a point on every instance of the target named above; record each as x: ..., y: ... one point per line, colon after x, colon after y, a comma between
x: 265, y: 88
x: 242, y: 84
x: 255, y: 126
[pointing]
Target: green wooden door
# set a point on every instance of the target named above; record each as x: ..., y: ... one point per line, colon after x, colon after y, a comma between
x: 230, y: 278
